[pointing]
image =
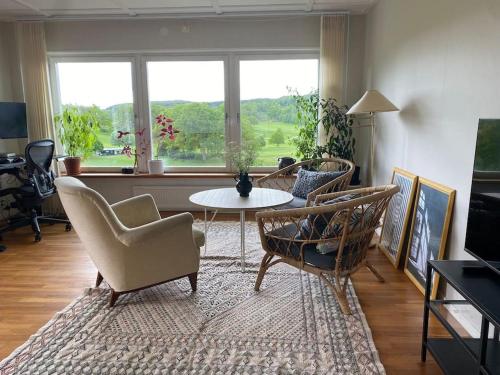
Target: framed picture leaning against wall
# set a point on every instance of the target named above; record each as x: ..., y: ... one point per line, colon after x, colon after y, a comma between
x: 432, y: 213
x: 397, y: 216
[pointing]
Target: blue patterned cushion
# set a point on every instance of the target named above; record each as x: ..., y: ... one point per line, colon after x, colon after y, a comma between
x: 317, y: 224
x: 308, y: 181
x: 335, y: 230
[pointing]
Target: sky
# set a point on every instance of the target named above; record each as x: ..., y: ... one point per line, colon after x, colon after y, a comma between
x: 108, y: 83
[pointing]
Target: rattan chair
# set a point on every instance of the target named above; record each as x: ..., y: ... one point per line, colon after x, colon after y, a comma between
x: 295, y: 236
x: 284, y: 179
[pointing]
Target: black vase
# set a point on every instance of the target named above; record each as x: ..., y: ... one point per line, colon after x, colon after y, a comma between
x: 244, y: 184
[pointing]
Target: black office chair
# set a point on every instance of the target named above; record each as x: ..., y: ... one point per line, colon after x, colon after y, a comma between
x: 37, y: 186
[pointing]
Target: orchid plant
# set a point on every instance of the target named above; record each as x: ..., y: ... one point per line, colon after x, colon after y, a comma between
x: 166, y: 127
x: 137, y: 152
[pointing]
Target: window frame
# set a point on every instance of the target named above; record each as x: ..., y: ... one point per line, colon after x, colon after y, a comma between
x: 140, y: 93
x: 87, y: 58
x: 267, y: 55
x: 163, y: 57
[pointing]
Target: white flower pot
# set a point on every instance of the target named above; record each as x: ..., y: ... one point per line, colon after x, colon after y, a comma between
x: 155, y: 166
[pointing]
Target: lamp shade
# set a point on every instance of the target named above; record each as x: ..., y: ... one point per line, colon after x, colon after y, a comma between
x: 372, y: 101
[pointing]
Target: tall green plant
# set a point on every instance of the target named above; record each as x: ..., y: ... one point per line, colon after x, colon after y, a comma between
x: 77, y: 129
x: 336, y: 124
x: 308, y: 121
x: 338, y: 127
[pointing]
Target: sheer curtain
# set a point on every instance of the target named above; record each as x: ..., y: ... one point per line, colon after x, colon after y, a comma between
x: 35, y: 80
x: 333, y: 60
x: 35, y: 76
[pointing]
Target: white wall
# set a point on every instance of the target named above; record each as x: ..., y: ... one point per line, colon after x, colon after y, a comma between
x: 10, y: 79
x: 439, y: 61
x: 168, y: 34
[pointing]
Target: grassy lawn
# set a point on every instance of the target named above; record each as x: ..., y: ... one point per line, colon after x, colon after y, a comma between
x: 270, y: 153
x: 267, y: 156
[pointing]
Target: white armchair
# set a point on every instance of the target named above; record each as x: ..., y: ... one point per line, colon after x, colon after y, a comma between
x: 130, y: 244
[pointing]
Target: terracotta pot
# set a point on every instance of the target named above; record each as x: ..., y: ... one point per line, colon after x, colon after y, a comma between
x: 72, y: 165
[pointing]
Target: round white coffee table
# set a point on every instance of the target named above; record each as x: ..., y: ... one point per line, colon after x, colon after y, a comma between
x: 229, y: 199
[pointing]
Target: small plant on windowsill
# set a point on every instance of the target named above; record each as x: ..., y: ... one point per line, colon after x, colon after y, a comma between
x: 137, y: 152
x: 167, y: 132
x: 241, y: 158
x: 77, y: 130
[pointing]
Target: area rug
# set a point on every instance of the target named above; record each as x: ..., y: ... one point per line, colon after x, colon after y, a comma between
x: 292, y: 326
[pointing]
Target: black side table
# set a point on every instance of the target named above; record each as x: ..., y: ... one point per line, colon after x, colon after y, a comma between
x: 480, y: 288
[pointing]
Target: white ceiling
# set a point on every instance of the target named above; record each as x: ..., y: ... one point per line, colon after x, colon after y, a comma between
x: 90, y: 9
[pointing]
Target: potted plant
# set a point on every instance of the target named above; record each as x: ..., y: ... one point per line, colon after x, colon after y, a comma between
x: 76, y: 129
x: 166, y: 131
x: 137, y: 152
x: 337, y: 126
x: 241, y: 158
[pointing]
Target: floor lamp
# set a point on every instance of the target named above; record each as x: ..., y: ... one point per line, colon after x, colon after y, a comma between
x: 370, y: 103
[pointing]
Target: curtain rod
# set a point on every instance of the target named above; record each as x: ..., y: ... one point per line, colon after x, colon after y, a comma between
x: 193, y: 16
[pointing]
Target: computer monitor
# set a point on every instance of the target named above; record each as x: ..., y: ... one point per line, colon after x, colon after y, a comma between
x: 13, y: 122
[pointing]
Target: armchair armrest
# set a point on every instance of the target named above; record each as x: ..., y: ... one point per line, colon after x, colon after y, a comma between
x: 167, y: 230
x: 136, y: 211
x: 158, y: 251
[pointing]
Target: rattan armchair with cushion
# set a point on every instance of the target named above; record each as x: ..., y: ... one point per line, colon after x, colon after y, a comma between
x: 337, y: 174
x: 329, y: 239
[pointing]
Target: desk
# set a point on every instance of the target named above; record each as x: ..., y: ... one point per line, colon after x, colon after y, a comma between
x: 13, y: 169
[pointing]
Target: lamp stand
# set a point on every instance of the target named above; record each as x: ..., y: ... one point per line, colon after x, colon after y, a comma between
x: 372, y: 149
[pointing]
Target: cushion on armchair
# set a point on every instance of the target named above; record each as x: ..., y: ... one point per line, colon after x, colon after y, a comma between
x: 335, y: 230
x: 315, y: 225
x: 307, y: 181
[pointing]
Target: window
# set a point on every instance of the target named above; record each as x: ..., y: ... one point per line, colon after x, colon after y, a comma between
x: 212, y: 100
x: 104, y: 87
x: 192, y: 94
x: 268, y: 116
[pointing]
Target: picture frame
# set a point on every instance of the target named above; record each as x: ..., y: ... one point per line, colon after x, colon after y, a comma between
x: 432, y: 213
x: 397, y: 216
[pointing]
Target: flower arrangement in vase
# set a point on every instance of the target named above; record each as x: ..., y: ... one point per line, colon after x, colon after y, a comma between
x: 167, y: 131
x: 241, y: 158
x: 137, y: 152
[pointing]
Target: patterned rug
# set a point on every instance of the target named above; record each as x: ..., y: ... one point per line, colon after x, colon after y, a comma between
x: 292, y: 326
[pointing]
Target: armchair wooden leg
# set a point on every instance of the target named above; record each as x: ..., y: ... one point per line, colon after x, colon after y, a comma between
x: 98, y: 280
x: 193, y: 280
x: 340, y: 291
x: 114, y: 297
x: 262, y: 271
x: 375, y: 272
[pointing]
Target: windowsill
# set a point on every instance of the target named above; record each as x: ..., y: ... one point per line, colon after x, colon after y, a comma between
x: 164, y: 175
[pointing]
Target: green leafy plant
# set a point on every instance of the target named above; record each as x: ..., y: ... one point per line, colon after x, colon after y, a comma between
x: 241, y: 157
x: 338, y: 127
x: 77, y: 130
x: 336, y: 123
x: 308, y: 122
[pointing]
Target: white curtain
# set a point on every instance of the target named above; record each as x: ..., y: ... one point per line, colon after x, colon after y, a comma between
x: 35, y: 76
x: 333, y: 60
x: 35, y: 80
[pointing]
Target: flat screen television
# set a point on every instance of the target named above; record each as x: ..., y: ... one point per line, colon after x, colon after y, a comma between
x: 483, y: 226
x: 13, y: 120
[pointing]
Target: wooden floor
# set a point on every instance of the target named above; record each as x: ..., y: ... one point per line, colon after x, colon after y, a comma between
x: 39, y: 279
